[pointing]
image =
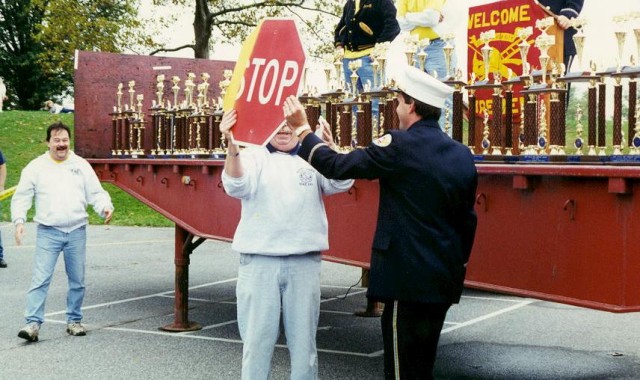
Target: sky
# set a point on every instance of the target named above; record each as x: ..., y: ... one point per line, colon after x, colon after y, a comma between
x: 601, y: 44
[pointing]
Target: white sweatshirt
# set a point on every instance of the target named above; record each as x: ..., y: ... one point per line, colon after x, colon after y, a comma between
x: 282, y: 208
x: 62, y: 191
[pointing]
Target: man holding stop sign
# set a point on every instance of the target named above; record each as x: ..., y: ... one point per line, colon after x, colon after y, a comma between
x: 279, y: 266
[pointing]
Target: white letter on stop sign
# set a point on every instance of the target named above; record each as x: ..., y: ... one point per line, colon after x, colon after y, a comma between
x: 288, y: 78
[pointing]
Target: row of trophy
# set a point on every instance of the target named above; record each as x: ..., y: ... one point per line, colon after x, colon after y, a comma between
x: 543, y: 113
x: 183, y: 119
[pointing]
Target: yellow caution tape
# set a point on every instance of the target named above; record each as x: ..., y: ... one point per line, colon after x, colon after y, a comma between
x: 7, y: 193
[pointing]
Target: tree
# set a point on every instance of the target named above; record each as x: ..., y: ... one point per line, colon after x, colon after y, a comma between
x: 233, y: 20
x: 38, y: 39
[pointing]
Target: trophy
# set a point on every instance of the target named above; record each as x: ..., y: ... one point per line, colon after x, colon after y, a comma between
x: 448, y: 53
x: 176, y: 89
x: 543, y: 42
x: 422, y: 55
x: 224, y: 84
x: 189, y: 86
x: 353, y: 67
x: 132, y: 93
x: 486, y: 143
x: 337, y: 63
x: 487, y: 37
x: 636, y: 32
x: 380, y: 50
x: 579, y: 142
x: 621, y: 35
x: 160, y: 88
x: 578, y: 39
x: 205, y: 88
x: 119, y: 97
x: 327, y: 59
x: 410, y: 43
x: 635, y: 142
x: 523, y: 34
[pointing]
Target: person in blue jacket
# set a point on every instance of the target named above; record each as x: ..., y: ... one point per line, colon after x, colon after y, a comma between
x: 426, y: 219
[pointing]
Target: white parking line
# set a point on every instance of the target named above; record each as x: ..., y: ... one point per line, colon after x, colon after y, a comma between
x: 141, y: 297
x: 452, y: 326
x: 488, y: 316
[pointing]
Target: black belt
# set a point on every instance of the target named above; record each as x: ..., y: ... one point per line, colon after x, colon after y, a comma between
x: 435, y: 39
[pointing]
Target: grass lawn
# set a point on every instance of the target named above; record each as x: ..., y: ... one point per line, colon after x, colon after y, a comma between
x: 22, y: 138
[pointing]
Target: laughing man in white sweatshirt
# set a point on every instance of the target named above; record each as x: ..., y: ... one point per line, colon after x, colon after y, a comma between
x: 63, y: 184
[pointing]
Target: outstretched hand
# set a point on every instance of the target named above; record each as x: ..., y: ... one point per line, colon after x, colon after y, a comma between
x: 326, y: 134
x: 228, y: 121
x: 294, y: 113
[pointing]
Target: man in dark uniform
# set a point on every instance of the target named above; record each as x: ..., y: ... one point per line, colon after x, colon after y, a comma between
x: 426, y: 219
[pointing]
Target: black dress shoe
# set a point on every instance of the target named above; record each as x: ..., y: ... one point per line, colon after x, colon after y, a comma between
x: 3, y: 264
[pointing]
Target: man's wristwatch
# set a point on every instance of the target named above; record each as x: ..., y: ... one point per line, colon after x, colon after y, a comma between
x: 302, y: 129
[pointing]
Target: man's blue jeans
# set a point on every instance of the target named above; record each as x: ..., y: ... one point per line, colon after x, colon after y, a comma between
x: 49, y: 243
x: 266, y: 286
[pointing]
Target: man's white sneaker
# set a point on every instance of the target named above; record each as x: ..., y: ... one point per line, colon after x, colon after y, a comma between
x: 30, y: 332
x: 76, y: 329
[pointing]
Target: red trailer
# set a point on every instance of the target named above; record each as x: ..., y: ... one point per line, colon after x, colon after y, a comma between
x: 561, y: 232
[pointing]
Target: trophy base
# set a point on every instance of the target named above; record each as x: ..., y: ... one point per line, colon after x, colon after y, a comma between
x: 625, y: 159
x: 496, y: 159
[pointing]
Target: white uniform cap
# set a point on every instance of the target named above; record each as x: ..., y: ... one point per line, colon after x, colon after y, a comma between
x: 422, y: 86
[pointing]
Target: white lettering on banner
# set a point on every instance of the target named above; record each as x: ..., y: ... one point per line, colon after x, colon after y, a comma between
x: 272, y: 71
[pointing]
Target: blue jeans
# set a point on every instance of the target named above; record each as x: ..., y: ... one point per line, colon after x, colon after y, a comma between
x: 267, y: 284
x: 49, y: 243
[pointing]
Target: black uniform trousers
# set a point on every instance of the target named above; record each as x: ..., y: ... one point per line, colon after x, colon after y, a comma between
x: 410, y: 334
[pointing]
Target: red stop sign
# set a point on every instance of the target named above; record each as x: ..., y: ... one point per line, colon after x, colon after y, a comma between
x: 269, y: 69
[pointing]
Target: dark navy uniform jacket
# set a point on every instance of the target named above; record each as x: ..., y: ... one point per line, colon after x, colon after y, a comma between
x: 374, y: 22
x: 426, y: 219
x: 570, y: 9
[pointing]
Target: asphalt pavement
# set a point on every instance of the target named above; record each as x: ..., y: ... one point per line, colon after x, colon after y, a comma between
x: 130, y: 283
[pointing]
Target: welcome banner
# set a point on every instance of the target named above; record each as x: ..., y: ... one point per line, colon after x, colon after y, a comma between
x: 507, y: 18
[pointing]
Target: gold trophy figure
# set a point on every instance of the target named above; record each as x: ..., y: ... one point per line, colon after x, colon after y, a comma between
x: 635, y: 142
x: 486, y: 143
x: 524, y: 34
x: 176, y: 89
x: 579, y: 142
x: 487, y: 37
